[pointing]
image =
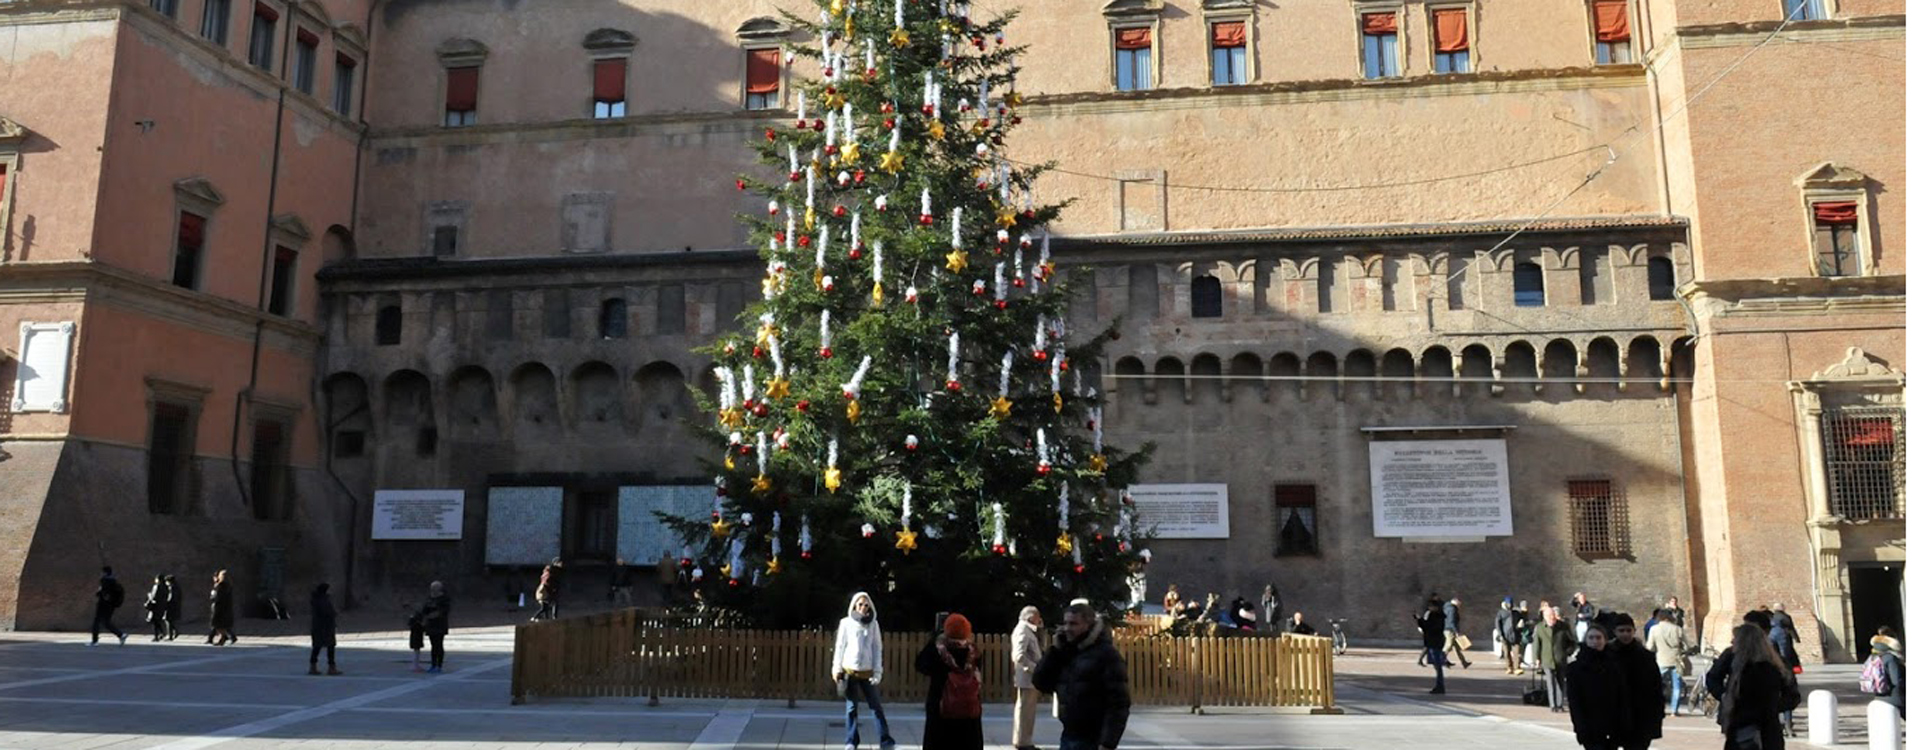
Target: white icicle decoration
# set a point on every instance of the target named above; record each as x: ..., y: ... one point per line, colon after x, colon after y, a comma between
x: 790, y: 232
x: 926, y: 202
x: 870, y: 54
x: 906, y: 507
x: 1040, y: 334
x: 802, y: 114
x: 820, y: 248
x: 826, y: 329
x: 776, y: 533
x: 1006, y: 371
x: 806, y: 536
x: 1000, y: 281
x: 1076, y: 556
x: 893, y: 141
x: 1099, y: 429
x: 793, y: 159
x: 833, y: 128
x: 760, y: 450
x: 852, y: 387
x: 1046, y: 246
x: 999, y: 526
x: 878, y: 248
x: 1063, y: 507
x: 926, y: 90
x: 833, y: 452
x: 725, y: 376
x: 1054, y: 374
x: 953, y: 357
x: 1040, y: 446
x: 746, y: 384
x: 956, y: 228
x: 810, y: 181
x: 853, y: 234
x: 899, y: 14
x: 1019, y: 260
x: 779, y: 365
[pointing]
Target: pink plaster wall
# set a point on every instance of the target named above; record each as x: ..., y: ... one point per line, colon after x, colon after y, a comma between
x: 54, y: 82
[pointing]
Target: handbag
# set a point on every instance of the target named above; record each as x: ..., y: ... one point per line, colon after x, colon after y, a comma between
x: 1465, y: 643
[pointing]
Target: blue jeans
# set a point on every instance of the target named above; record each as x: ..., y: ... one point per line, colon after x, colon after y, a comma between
x: 859, y: 690
x: 1438, y: 657
x: 1672, y: 676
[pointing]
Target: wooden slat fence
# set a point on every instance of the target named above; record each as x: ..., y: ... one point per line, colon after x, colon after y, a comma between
x: 632, y: 653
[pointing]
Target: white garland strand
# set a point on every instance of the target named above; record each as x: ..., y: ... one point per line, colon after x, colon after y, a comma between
x: 1040, y: 334
x: 852, y: 387
x: 826, y: 329
x: 906, y: 508
x: 1006, y: 371
x: 1000, y: 281
x: 746, y: 384
x: 833, y: 452
x: 999, y: 526
x: 725, y: 376
x: 1064, y: 506
x: 1099, y: 430
x: 853, y: 234
x: 806, y: 536
x: 790, y: 233
x: 760, y: 452
x: 953, y: 357
x: 878, y: 248
x: 956, y: 228
x: 1040, y: 446
x: 779, y: 365
x: 776, y: 533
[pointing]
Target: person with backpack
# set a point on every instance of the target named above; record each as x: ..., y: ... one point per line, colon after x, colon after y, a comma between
x: 1089, y: 677
x: 156, y: 607
x: 952, y: 666
x: 858, y: 664
x: 107, y: 598
x: 1885, y: 675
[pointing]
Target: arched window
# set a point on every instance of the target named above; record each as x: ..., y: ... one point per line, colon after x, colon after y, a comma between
x: 1659, y: 278
x: 613, y: 319
x: 1529, y: 286
x: 1206, y: 297
x: 386, y: 326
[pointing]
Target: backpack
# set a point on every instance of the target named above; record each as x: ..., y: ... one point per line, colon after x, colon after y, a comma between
x: 960, y: 699
x: 116, y: 595
x: 1873, y: 677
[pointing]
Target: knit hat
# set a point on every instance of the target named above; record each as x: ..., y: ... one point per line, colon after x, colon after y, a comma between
x: 958, y: 628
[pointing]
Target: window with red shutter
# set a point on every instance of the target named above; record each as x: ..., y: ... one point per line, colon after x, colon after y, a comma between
x: 1229, y: 53
x: 1612, y: 34
x: 1133, y: 58
x: 1836, y: 245
x: 189, y: 241
x: 463, y: 96
x: 1450, y: 53
x: 763, y: 78
x: 610, y: 88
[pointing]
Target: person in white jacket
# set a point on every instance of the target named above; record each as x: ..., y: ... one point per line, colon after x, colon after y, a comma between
x: 857, y: 667
x: 1026, y: 655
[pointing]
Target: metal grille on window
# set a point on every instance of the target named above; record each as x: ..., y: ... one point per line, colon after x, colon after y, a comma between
x: 1866, y: 462
x: 1599, y: 517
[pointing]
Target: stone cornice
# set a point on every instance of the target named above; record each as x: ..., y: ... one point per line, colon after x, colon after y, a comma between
x: 351, y: 275
x: 76, y: 281
x: 1861, y: 29
x: 1796, y: 297
x: 1374, y: 233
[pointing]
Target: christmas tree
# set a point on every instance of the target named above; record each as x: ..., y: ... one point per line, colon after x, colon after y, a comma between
x: 905, y: 411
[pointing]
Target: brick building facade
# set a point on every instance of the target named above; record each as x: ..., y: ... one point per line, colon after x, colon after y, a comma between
x: 1569, y: 225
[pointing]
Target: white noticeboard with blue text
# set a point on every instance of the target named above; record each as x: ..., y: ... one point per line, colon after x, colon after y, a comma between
x: 1181, y: 511
x: 1440, y: 488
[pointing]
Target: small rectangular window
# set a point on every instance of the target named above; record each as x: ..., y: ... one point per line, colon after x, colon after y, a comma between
x: 169, y: 457
x: 1806, y: 10
x: 1599, y: 517
x: 269, y: 483
x: 214, y: 18
x: 610, y: 88
x: 1529, y: 285
x: 1133, y: 59
x: 463, y: 96
x: 446, y: 241
x: 500, y: 315
x: 1612, y: 33
x: 190, y: 240
x: 670, y: 310
x: 280, y: 289
x: 386, y: 326
x: 343, y: 68
x: 763, y: 78
x: 1866, y: 462
x: 168, y: 8
x: 260, y: 44
x: 306, y: 54
x: 556, y: 314
x: 1380, y: 45
x: 1835, y: 240
x: 1229, y: 53
x: 349, y: 444
x: 1294, y: 511
x: 1450, y: 43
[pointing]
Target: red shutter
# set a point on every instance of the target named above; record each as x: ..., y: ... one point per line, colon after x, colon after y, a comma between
x: 343, y: 60
x: 1871, y: 431
x: 1835, y: 213
x: 1230, y: 34
x: 1610, y: 21
x: 1140, y: 38
x: 193, y: 230
x: 763, y: 71
x: 307, y: 38
x: 1379, y: 24
x: 463, y: 89
x: 1450, y: 30
x: 610, y: 81
x: 265, y: 11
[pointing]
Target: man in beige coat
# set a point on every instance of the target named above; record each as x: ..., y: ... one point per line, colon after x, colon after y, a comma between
x: 1670, y: 652
x: 1026, y: 655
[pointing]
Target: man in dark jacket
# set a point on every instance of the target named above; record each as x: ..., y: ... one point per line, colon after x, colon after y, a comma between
x: 1641, y: 673
x: 107, y: 598
x: 1433, y: 639
x: 1553, y: 640
x: 1596, y: 694
x: 1452, y: 612
x: 326, y: 624
x: 1504, y: 623
x: 1087, y: 674
x: 434, y: 619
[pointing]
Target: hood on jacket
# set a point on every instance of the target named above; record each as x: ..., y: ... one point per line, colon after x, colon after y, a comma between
x: 855, y: 599
x: 1094, y: 635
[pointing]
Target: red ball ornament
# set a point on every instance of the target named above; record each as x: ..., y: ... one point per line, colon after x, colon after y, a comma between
x: 1019, y: 282
x: 953, y: 385
x: 686, y: 562
x: 740, y: 184
x: 1000, y: 303
x: 1044, y: 469
x: 759, y: 410
x: 802, y: 406
x: 799, y: 124
x: 999, y: 549
x: 793, y: 176
x: 826, y: 352
x: 770, y: 136
x: 745, y: 450
x: 839, y: 211
x: 1089, y: 424
x: 848, y: 394
x: 853, y: 254
x: 872, y: 73
x: 926, y: 109
x: 860, y: 177
x: 779, y: 236
x: 926, y: 220
x: 1029, y: 213
x: 996, y: 140
x: 984, y: 122
x: 806, y: 240
x: 889, y: 122
x: 886, y: 108
x: 1039, y: 355
x: 733, y: 582
x: 806, y: 555
x: 819, y: 125
x: 979, y: 290
x: 757, y: 352
x: 1079, y: 568
x: 831, y: 149
x: 1098, y: 537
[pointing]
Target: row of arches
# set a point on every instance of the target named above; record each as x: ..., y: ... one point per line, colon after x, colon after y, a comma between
x: 1645, y: 364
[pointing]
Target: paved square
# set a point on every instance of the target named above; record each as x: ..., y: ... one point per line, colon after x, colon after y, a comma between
x: 55, y: 692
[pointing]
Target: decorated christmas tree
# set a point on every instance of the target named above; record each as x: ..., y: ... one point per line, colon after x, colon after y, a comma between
x: 905, y: 410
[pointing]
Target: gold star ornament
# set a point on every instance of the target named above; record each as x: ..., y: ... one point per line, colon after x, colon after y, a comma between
x: 957, y: 260
x: 1006, y: 217
x: 777, y: 388
x: 1063, y: 545
x: 1099, y: 464
x: 853, y: 410
x: 762, y: 485
x: 906, y: 541
x: 850, y: 153
x: 720, y: 528
x: 773, y: 566
x: 832, y: 479
x: 899, y: 38
x: 938, y: 131
x: 1001, y: 408
x: 892, y: 162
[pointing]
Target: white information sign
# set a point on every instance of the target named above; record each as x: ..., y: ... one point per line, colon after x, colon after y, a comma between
x: 40, y: 383
x: 418, y: 514
x: 1440, y: 488
x: 1181, y: 511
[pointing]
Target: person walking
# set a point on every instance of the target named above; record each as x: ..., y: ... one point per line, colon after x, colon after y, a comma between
x: 1026, y: 656
x: 1270, y: 608
x: 156, y: 607
x: 1554, y: 643
x: 858, y: 665
x: 325, y: 628
x: 435, y: 620
x: 1782, y: 635
x: 176, y: 602
x: 548, y: 594
x: 951, y: 664
x: 1670, y: 655
x: 220, y: 611
x: 1754, y: 690
x: 1088, y: 675
x: 107, y: 597
x: 666, y: 572
x: 1504, y: 625
x: 620, y: 583
x: 1524, y: 621
x: 1640, y: 675
x: 1583, y: 612
x: 1895, y: 668
x: 1433, y: 643
x: 1596, y: 694
x: 1454, y: 633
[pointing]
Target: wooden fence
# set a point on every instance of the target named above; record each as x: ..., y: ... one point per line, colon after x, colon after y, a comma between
x: 632, y: 653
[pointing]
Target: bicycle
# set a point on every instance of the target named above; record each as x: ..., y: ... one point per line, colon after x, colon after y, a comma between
x: 1338, y: 633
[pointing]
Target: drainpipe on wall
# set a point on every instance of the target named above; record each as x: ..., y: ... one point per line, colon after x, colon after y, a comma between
x: 1686, y: 525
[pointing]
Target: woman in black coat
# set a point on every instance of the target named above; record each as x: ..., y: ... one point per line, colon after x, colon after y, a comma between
x: 1597, y: 695
x: 220, y: 615
x: 1756, y: 688
x: 176, y: 602
x: 325, y: 628
x: 157, y: 604
x: 951, y: 655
